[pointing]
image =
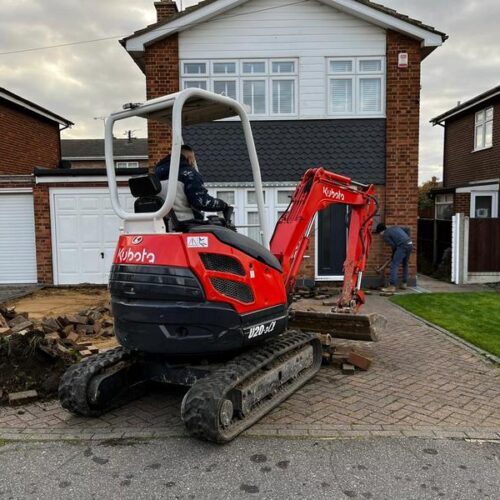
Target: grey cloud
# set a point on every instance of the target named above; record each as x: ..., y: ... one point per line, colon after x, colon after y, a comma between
x: 86, y: 81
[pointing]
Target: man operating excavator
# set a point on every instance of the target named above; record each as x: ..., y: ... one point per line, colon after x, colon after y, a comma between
x: 192, y: 197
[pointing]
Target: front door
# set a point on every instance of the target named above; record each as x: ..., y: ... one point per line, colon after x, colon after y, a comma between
x: 331, y: 241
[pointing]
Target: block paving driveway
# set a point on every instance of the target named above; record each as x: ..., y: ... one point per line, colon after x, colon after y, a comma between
x: 421, y: 384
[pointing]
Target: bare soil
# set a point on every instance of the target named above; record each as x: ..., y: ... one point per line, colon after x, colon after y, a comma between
x: 60, y: 301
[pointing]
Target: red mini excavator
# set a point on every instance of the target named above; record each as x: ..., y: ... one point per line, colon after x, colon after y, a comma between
x: 204, y: 306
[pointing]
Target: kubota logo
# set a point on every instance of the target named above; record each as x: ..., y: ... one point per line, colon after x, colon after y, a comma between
x: 137, y: 240
x: 131, y: 257
x: 334, y: 194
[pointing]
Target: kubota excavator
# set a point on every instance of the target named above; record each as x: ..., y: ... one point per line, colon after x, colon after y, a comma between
x: 207, y: 307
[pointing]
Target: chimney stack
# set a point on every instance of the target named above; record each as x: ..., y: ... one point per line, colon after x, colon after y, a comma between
x: 165, y: 9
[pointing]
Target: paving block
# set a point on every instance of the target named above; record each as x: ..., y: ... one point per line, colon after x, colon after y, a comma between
x: 21, y: 398
x: 348, y: 369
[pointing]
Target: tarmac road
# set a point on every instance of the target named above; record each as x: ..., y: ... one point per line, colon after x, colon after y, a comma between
x: 252, y: 468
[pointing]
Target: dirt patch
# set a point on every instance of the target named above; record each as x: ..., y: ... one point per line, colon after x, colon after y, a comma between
x: 60, y: 301
x: 23, y: 366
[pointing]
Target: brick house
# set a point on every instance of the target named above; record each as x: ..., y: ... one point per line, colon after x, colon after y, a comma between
x: 471, y: 161
x: 330, y: 83
x: 29, y: 137
x: 89, y: 153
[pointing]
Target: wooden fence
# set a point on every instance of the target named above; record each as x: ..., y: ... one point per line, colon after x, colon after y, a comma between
x: 484, y: 245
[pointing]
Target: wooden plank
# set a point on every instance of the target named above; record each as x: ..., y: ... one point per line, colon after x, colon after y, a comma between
x: 365, y: 327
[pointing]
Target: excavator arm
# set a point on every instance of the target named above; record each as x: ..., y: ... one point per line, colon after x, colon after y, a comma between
x: 318, y: 189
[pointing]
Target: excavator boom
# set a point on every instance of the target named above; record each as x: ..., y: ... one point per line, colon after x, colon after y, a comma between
x: 317, y: 190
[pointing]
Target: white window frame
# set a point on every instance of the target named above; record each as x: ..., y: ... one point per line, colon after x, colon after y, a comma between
x: 483, y: 124
x: 283, y: 77
x: 448, y: 200
x: 195, y: 75
x: 228, y: 79
x: 268, y: 76
x: 266, y: 87
x: 223, y: 61
x: 494, y: 202
x: 356, y: 76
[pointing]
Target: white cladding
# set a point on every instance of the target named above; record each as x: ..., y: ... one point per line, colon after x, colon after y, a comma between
x: 310, y: 31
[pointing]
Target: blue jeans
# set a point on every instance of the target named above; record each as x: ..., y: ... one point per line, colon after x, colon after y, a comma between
x: 401, y: 256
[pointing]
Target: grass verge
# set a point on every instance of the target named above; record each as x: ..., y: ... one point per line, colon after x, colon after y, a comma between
x: 474, y: 317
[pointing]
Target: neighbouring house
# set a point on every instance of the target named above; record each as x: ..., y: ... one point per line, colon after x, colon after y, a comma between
x: 471, y: 186
x: 89, y: 153
x: 328, y: 83
x: 471, y: 161
x: 29, y: 137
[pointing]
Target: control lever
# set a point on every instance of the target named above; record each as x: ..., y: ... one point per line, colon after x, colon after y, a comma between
x: 228, y: 214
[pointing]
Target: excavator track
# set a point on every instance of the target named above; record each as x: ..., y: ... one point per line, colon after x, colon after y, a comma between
x: 263, y: 377
x: 80, y: 390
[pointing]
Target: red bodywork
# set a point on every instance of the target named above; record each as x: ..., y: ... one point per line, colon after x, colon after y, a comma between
x: 179, y: 250
x: 317, y: 189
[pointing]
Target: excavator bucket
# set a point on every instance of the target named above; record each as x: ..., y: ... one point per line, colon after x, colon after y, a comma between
x: 365, y: 327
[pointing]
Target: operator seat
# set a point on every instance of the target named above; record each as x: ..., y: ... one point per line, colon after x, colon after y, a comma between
x: 241, y: 242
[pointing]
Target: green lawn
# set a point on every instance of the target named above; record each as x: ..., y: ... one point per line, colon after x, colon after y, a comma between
x: 473, y: 316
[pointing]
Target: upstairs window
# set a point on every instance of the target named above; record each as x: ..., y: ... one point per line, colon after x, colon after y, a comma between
x: 267, y: 87
x: 483, y: 130
x: 356, y: 86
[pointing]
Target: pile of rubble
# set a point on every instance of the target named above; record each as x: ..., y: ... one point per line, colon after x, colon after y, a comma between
x: 35, y: 353
x: 327, y: 295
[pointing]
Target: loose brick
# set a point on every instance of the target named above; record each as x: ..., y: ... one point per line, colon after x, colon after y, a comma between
x: 359, y: 361
x: 21, y: 398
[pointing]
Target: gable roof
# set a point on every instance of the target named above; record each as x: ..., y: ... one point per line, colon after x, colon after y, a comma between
x: 7, y: 95
x: 93, y: 149
x: 464, y: 106
x: 370, y: 11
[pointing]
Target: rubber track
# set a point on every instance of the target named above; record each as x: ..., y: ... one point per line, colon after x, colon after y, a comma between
x: 200, y: 407
x: 73, y: 388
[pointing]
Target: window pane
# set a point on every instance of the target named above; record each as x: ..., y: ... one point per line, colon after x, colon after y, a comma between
x: 253, y: 232
x: 283, y: 96
x: 283, y: 67
x: 370, y: 66
x: 341, y: 95
x: 341, y: 66
x: 225, y: 87
x: 254, y: 67
x: 370, y: 95
x: 195, y: 84
x: 489, y: 113
x: 225, y: 68
x: 444, y: 211
x: 252, y: 199
x: 483, y: 206
x: 195, y: 68
x: 479, y: 136
x: 480, y: 117
x: 488, y: 134
x: 227, y: 196
x: 254, y: 96
x: 284, y: 197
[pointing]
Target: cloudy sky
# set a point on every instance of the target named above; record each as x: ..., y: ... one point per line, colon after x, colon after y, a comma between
x: 82, y: 82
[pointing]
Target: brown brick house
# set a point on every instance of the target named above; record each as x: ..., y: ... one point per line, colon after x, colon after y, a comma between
x: 29, y: 137
x: 471, y: 162
x: 327, y: 83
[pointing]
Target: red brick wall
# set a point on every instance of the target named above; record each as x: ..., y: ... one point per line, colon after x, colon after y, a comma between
x: 402, y: 135
x: 462, y: 203
x: 161, y: 67
x: 165, y: 9
x: 27, y: 140
x: 462, y: 164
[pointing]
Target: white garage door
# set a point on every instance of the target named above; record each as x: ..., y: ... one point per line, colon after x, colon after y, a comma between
x: 85, y: 230
x: 17, y: 238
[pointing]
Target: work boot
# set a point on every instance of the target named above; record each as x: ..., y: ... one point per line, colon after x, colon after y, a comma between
x: 388, y: 289
x: 404, y: 286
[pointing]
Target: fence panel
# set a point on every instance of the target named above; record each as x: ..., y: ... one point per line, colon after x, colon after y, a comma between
x: 484, y: 245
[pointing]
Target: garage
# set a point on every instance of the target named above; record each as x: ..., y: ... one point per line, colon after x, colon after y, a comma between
x: 17, y: 237
x: 85, y: 230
